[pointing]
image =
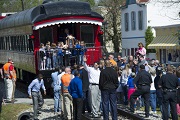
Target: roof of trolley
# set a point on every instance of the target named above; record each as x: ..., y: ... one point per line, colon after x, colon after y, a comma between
x: 51, y: 11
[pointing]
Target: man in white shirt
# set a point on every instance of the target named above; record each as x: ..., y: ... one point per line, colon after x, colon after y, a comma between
x: 95, y: 94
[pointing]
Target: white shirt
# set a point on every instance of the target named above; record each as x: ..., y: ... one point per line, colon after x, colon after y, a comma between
x: 60, y: 75
x: 152, y: 84
x: 93, y: 74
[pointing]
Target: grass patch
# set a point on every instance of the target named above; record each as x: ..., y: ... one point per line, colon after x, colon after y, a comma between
x: 11, y: 111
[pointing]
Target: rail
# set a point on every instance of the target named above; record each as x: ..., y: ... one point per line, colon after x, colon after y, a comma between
x: 53, y: 58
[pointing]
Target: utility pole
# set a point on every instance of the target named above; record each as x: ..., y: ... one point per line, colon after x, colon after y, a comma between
x: 22, y: 3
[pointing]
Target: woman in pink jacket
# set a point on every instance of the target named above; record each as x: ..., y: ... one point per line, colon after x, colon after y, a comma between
x: 141, y: 50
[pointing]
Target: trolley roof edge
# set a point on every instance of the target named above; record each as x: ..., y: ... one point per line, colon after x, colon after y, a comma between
x: 49, y: 11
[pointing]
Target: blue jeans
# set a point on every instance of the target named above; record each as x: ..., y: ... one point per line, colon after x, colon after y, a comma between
x: 54, y: 61
x: 81, y: 62
x: 48, y: 64
x: 153, y: 100
x: 109, y: 96
x: 59, y: 60
x: 57, y: 104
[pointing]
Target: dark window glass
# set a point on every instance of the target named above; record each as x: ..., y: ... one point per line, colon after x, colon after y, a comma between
x: 140, y: 20
x: 126, y: 21
x: 87, y: 35
x: 46, y: 35
x: 133, y: 20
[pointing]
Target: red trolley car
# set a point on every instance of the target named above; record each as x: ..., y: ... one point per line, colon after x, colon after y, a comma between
x: 22, y: 33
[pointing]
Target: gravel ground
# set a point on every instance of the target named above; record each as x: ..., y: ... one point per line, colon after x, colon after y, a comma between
x: 47, y: 112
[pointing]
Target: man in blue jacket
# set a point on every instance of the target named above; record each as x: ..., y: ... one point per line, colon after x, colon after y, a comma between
x: 75, y: 89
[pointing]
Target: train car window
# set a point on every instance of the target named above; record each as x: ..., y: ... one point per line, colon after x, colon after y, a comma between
x: 46, y: 35
x: 15, y: 43
x: 1, y: 43
x: 4, y: 43
x: 87, y: 35
x: 24, y: 44
x: 9, y: 43
x: 21, y: 43
x: 12, y: 43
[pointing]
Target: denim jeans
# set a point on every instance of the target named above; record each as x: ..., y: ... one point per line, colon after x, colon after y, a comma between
x: 57, y: 102
x: 59, y: 61
x: 153, y: 100
x: 81, y: 62
x: 48, y: 64
x: 54, y: 61
x: 109, y: 97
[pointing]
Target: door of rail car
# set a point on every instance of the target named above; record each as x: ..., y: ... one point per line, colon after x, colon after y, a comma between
x: 87, y: 35
x: 46, y: 34
x: 64, y: 30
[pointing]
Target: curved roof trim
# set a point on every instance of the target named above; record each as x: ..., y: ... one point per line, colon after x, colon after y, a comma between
x: 65, y: 22
x: 48, y: 11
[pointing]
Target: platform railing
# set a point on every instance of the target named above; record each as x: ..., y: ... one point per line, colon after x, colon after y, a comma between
x: 51, y: 60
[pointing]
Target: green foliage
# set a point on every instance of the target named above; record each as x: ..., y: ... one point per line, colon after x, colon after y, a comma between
x: 17, y: 5
x: 91, y: 2
x: 11, y: 111
x: 110, y: 10
x: 148, y: 39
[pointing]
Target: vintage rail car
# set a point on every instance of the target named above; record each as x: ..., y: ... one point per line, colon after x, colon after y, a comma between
x: 22, y: 33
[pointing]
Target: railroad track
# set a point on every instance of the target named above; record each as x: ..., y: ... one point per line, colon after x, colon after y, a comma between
x: 125, y: 114
x: 122, y: 115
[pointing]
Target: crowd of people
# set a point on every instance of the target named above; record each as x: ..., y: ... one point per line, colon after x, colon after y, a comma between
x: 52, y: 55
x: 131, y: 81
x: 97, y: 89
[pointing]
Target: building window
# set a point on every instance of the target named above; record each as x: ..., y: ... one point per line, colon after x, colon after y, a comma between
x: 140, y: 20
x: 126, y: 21
x: 133, y: 20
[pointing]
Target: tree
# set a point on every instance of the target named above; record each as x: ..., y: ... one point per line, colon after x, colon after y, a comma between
x: 91, y: 2
x: 18, y: 5
x: 112, y: 14
x: 149, y: 38
x: 171, y: 8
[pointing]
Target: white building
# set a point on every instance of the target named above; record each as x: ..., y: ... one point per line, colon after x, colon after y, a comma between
x: 137, y: 15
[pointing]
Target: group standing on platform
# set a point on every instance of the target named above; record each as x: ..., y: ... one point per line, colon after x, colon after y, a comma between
x: 68, y: 52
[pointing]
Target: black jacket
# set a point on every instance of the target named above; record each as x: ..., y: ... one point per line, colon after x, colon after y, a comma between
x: 85, y: 80
x: 143, y: 77
x: 108, y: 79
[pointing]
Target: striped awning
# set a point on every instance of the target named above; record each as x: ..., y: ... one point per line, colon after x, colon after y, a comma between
x: 165, y: 42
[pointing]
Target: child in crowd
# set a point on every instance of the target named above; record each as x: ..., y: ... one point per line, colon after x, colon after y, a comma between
x: 49, y: 56
x: 82, y: 52
x: 54, y: 54
x: 130, y: 85
x: 42, y: 54
x: 60, y: 54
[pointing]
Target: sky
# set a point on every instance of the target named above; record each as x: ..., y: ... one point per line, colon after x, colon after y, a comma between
x: 163, y: 14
